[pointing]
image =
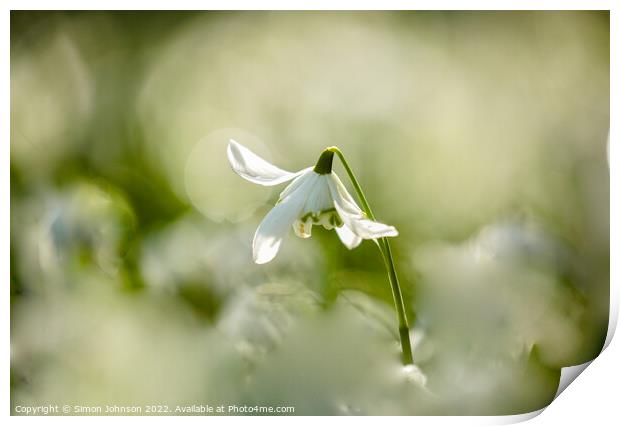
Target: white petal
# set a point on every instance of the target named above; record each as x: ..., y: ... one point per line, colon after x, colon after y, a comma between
x: 348, y: 238
x: 253, y: 168
x: 303, y: 229
x: 276, y: 224
x: 319, y: 198
x: 297, y: 182
x: 352, y: 215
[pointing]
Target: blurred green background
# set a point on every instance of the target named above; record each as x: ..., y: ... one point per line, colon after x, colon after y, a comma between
x: 482, y: 136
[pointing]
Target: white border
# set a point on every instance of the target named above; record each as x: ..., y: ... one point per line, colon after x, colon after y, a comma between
x: 311, y: 5
x: 592, y: 397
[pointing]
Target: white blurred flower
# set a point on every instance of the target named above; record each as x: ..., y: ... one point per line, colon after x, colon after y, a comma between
x: 316, y: 196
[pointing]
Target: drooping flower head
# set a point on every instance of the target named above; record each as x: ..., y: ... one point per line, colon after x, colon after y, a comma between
x: 316, y: 196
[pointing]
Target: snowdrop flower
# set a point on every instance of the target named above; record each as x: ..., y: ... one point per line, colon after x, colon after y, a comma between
x: 316, y: 196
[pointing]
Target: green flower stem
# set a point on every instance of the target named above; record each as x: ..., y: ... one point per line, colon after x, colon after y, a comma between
x: 386, y: 253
